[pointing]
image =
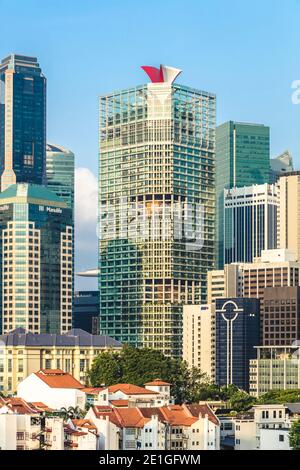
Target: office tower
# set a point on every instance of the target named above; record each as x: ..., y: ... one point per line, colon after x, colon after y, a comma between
x: 289, y: 212
x: 275, y: 268
x: 86, y: 311
x: 225, y: 282
x: 250, y: 222
x: 275, y: 368
x: 24, y: 353
x: 60, y: 172
x: 242, y: 159
x: 22, y: 121
x: 156, y: 197
x: 36, y: 256
x: 236, y: 332
x: 198, y: 337
x: 280, y: 316
x: 281, y: 165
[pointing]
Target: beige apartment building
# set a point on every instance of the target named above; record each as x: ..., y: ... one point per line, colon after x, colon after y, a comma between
x: 198, y: 337
x: 22, y: 353
x: 289, y: 212
x: 275, y: 268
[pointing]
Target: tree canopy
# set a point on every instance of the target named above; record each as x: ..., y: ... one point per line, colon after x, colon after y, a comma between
x: 295, y: 435
x: 280, y: 397
x: 139, y: 366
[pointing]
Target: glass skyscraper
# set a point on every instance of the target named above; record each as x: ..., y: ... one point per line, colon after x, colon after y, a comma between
x: 36, y: 260
x: 156, y: 198
x: 242, y: 159
x: 22, y: 121
x: 250, y: 222
x: 60, y: 172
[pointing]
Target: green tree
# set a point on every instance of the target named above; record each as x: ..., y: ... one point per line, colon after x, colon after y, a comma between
x: 280, y: 397
x: 295, y: 435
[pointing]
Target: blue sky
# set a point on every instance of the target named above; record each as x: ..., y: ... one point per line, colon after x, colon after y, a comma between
x: 247, y: 52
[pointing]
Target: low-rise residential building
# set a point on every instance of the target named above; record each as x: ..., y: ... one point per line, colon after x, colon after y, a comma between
x: 156, y: 393
x: 54, y: 387
x: 266, y: 427
x: 172, y: 427
x: 23, y: 426
x: 275, y: 368
x: 80, y: 434
x: 23, y: 353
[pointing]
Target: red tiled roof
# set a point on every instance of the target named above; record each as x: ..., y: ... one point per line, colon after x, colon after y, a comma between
x: 175, y: 415
x: 20, y: 406
x: 40, y: 406
x: 202, y: 410
x: 119, y: 402
x: 92, y: 390
x: 157, y: 383
x: 83, y: 423
x: 56, y: 378
x: 130, y: 389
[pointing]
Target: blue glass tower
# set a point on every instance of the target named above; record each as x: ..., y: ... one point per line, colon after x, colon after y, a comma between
x: 22, y: 121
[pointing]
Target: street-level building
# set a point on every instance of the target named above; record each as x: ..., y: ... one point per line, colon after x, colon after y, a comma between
x: 23, y: 353
x: 274, y: 368
x: 56, y: 388
x: 173, y: 427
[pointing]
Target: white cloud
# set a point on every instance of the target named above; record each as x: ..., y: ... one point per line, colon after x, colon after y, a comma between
x: 86, y: 197
x: 86, y: 242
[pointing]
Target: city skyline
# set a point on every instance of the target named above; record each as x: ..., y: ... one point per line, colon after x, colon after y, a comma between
x: 249, y: 84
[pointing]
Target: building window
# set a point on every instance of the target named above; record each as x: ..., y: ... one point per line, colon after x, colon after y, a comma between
x: 281, y: 438
x: 20, y: 436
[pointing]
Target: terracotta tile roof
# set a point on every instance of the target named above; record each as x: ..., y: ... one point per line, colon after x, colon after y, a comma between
x: 157, y: 383
x: 40, y: 406
x: 106, y: 411
x: 92, y: 390
x: 56, y: 378
x: 119, y: 402
x: 177, y: 416
x: 131, y: 417
x: 202, y: 410
x: 84, y: 423
x: 20, y: 406
x: 130, y: 389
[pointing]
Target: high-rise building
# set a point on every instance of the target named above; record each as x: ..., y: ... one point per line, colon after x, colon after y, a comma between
x: 242, y: 159
x: 198, y: 337
x: 225, y: 282
x: 237, y: 328
x: 281, y: 165
x: 60, y: 172
x: 250, y: 222
x: 156, y: 197
x: 36, y: 260
x: 22, y: 121
x: 280, y: 316
x: 86, y: 311
x: 289, y: 212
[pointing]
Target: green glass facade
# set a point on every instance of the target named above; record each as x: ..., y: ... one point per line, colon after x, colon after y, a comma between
x: 157, y: 156
x: 36, y: 256
x: 60, y: 173
x: 242, y: 159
